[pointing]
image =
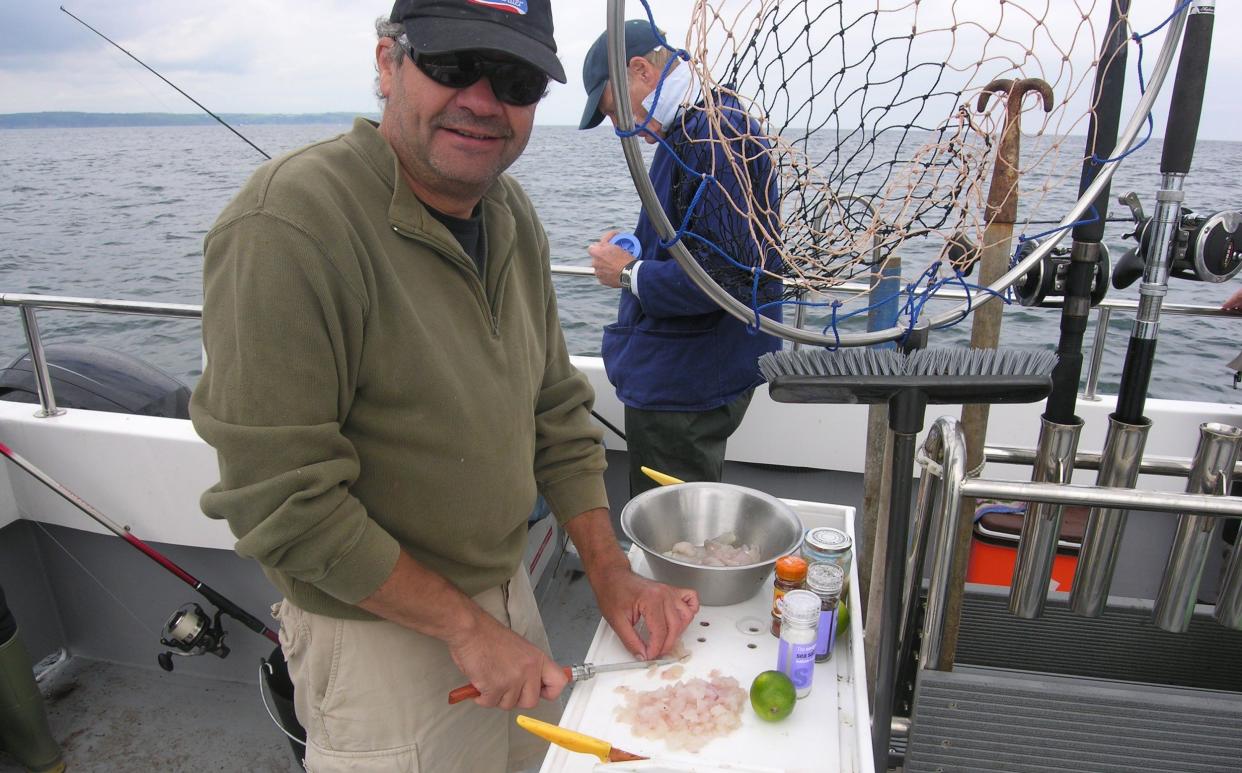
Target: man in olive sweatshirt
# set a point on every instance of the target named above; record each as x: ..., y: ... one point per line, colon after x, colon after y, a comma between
x: 388, y: 389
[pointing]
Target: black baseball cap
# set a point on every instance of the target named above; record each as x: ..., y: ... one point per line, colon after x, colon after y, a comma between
x: 520, y: 28
x: 640, y: 39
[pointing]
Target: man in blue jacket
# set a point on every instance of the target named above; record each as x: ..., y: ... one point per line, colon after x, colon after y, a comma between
x: 685, y: 368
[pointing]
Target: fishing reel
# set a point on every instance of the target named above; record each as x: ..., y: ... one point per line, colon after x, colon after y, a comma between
x: 190, y: 632
x: 1044, y: 284
x: 1206, y: 248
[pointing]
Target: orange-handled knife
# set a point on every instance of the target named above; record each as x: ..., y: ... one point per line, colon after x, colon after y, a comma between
x: 573, y: 673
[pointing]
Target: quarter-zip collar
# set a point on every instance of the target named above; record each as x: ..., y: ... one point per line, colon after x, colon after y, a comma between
x: 409, y: 217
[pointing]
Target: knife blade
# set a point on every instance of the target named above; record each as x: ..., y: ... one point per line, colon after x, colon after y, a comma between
x: 576, y: 673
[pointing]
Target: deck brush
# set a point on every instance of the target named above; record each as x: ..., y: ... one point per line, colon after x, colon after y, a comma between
x: 907, y: 383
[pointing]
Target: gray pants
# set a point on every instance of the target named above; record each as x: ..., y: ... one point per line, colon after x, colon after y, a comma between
x: 685, y: 444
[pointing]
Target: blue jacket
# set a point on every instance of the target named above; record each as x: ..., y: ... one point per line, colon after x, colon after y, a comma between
x: 672, y: 347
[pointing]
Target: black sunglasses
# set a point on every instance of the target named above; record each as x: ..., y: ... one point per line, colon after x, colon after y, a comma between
x: 514, y: 83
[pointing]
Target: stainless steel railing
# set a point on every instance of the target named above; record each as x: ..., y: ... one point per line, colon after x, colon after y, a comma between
x: 943, y: 484
x: 29, y: 303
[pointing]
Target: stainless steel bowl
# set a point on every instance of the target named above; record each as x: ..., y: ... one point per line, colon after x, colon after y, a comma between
x: 695, y: 512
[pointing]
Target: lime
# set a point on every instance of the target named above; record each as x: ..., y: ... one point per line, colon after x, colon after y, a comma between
x: 772, y: 696
x: 843, y: 618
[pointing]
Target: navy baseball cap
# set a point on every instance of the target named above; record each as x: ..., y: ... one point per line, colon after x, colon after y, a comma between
x: 521, y: 28
x: 640, y: 39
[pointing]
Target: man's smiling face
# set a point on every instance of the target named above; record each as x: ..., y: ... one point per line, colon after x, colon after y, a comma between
x: 452, y: 143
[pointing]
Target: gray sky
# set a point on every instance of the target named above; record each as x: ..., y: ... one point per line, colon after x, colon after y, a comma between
x: 282, y: 56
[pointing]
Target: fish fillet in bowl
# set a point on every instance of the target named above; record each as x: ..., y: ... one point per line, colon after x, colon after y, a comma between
x: 669, y: 522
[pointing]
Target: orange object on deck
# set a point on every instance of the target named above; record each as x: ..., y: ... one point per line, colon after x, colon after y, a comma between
x: 994, y: 547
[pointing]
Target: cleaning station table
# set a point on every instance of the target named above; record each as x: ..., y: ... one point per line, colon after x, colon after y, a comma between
x: 829, y: 730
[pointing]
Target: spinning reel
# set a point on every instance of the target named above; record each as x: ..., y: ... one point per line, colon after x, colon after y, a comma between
x: 1207, y: 248
x: 190, y: 632
x: 1044, y: 284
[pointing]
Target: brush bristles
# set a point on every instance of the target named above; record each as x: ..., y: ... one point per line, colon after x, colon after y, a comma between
x: 924, y: 362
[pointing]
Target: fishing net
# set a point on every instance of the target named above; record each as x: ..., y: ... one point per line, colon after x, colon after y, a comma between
x: 844, y: 138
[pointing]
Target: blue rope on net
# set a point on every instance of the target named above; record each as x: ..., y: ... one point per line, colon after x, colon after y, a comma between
x: 1138, y: 41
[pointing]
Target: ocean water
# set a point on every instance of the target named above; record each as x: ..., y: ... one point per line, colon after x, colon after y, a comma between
x: 122, y: 212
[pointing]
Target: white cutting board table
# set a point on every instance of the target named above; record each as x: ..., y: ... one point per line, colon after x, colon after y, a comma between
x: 828, y: 731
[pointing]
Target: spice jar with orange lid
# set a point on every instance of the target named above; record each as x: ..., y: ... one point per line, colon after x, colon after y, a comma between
x: 790, y: 575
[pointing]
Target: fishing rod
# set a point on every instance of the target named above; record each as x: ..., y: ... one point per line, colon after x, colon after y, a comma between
x: 150, y: 69
x: 245, y: 139
x: 1127, y: 426
x: 188, y: 631
x: 1085, y: 273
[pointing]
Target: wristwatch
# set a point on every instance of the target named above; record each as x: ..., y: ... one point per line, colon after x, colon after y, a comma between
x: 627, y: 275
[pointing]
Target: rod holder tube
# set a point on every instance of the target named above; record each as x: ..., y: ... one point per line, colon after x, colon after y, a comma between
x: 1119, y: 468
x: 1211, y: 473
x: 1041, y: 527
x: 1228, y: 610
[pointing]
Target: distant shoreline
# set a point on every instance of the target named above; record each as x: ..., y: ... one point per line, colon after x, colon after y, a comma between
x: 82, y: 120
x: 79, y: 120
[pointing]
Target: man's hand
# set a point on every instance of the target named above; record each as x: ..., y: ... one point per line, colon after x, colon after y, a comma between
x: 507, y: 670
x: 625, y: 598
x: 608, y: 259
x: 1234, y: 304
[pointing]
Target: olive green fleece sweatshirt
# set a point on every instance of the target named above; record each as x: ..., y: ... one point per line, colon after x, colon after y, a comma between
x: 366, y: 391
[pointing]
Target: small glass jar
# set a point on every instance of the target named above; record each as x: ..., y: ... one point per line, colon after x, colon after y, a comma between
x: 826, y: 581
x: 795, y: 653
x: 790, y: 574
x: 828, y: 545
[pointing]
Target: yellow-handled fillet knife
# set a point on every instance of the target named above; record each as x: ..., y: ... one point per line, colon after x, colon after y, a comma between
x: 659, y: 477
x: 574, y: 741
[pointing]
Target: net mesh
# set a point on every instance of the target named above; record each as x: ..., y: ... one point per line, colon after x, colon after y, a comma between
x: 821, y: 140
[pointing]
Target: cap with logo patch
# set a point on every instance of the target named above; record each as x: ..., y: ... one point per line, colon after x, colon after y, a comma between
x: 640, y: 39
x: 520, y: 28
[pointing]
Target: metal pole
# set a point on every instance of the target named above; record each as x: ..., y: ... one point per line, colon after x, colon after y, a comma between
x: 1212, y: 474
x: 1102, y: 316
x: 944, y: 441
x: 1228, y: 610
x: 38, y: 363
x: 889, y: 614
x: 1174, y: 468
x: 1125, y: 498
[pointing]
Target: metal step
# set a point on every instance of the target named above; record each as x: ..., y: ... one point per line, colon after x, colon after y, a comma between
x: 1121, y: 644
x: 978, y: 719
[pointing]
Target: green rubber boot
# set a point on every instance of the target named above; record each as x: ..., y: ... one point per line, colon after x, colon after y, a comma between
x: 24, y: 732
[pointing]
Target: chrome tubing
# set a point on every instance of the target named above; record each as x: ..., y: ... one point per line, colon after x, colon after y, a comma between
x: 1228, y: 611
x: 944, y: 455
x: 1211, y: 473
x: 947, y: 446
x: 1041, y: 527
x: 1102, y: 317
x: 1085, y: 460
x: 927, y: 499
x: 1127, y: 499
x: 1119, y: 468
x: 38, y: 363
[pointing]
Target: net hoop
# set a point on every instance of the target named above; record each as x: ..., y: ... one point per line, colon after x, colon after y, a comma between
x: 1126, y: 140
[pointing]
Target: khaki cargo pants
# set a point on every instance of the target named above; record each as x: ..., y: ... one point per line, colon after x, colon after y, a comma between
x: 373, y: 696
